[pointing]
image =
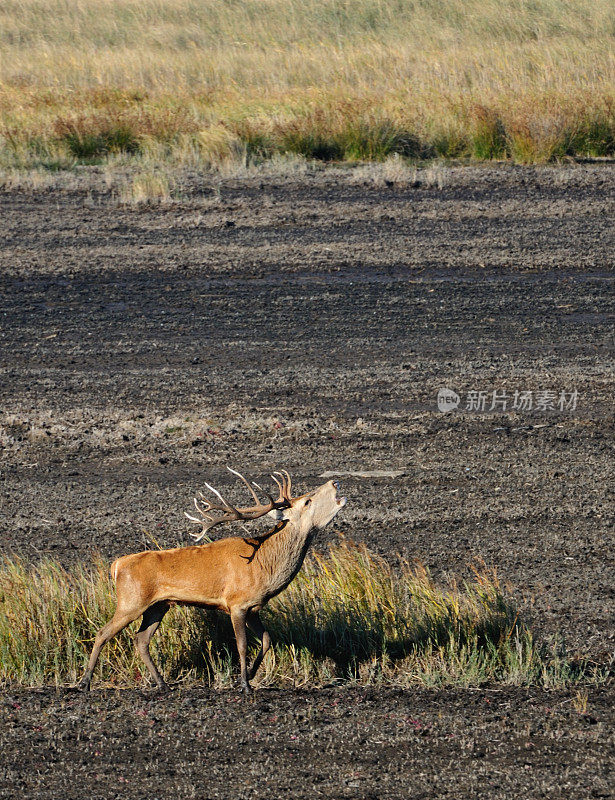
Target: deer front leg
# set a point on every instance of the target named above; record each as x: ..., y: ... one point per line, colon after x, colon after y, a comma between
x: 238, y: 618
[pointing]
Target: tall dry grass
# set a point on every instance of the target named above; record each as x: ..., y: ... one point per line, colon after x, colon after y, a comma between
x: 204, y: 82
x: 349, y: 616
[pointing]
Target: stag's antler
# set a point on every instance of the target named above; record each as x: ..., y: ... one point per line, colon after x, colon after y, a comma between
x: 225, y: 512
x: 285, y: 486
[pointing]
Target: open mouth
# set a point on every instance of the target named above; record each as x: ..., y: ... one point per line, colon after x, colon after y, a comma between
x: 341, y: 501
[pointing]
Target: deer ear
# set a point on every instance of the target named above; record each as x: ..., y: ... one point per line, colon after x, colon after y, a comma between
x: 278, y: 514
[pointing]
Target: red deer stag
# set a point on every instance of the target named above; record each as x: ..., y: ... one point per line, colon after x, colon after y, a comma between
x: 235, y: 575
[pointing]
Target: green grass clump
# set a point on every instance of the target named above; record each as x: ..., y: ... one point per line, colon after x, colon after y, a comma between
x: 347, y: 134
x: 89, y: 144
x: 348, y: 616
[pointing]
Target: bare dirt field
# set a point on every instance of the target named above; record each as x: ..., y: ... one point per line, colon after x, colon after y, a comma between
x: 308, y: 322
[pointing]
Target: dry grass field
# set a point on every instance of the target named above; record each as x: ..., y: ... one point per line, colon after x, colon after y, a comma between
x: 204, y: 83
x: 349, y: 616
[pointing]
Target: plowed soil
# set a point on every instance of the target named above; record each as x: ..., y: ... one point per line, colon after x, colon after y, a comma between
x: 308, y: 322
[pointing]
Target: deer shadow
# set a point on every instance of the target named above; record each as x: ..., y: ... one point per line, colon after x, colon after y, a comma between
x: 348, y: 645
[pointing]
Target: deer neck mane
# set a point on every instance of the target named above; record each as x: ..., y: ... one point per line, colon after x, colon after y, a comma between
x: 281, y: 555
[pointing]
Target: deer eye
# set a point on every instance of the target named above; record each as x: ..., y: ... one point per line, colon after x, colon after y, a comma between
x: 307, y: 502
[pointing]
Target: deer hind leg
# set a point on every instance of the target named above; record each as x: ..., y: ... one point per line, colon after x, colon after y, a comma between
x: 238, y: 618
x: 118, y: 622
x: 253, y: 622
x: 151, y: 620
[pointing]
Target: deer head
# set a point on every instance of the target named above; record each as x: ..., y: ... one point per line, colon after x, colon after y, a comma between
x: 311, y: 511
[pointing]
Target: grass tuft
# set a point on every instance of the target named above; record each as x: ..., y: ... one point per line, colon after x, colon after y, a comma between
x: 348, y: 616
x: 87, y: 141
x: 148, y: 187
x: 488, y: 134
x: 346, y: 132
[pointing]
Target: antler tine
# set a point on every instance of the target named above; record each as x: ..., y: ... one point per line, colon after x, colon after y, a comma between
x: 250, y: 489
x: 219, y: 496
x: 206, y: 519
x: 208, y: 504
x: 198, y: 536
x: 204, y: 512
x: 279, y: 485
x: 288, y: 483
